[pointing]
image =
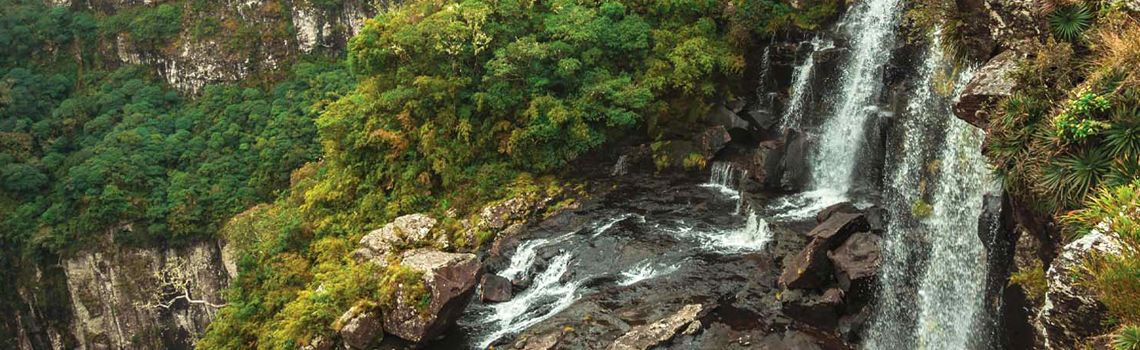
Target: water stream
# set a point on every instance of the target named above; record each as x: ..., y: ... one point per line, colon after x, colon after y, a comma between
x: 932, y: 248
x: 870, y: 26
x: 801, y: 88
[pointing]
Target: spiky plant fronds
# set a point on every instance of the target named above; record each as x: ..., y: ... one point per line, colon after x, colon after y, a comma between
x: 1070, y: 22
x: 1127, y: 339
x: 1070, y: 177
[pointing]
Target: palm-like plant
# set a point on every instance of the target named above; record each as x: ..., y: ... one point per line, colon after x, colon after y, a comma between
x: 1069, y: 22
x: 1070, y: 177
x: 1127, y: 339
x: 1123, y: 138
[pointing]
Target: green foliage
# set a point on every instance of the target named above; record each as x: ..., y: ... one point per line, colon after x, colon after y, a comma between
x: 1070, y: 22
x: 1032, y: 281
x: 147, y: 26
x: 920, y: 209
x: 1070, y: 177
x: 1077, y: 122
x: 1116, y: 277
x: 1127, y: 339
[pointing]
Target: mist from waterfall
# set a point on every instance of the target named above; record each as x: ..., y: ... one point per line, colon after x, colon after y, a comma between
x: 932, y: 280
x: 870, y: 25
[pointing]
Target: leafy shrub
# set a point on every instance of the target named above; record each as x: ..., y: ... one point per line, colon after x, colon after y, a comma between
x: 1116, y: 277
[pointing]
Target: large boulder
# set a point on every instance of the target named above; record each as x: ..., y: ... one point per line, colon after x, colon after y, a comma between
x: 842, y: 207
x: 811, y: 268
x: 857, y: 263
x: 449, y: 279
x: 404, y: 230
x: 989, y: 85
x: 720, y: 115
x: 764, y: 165
x: 359, y: 331
x: 649, y: 335
x: 1072, y: 312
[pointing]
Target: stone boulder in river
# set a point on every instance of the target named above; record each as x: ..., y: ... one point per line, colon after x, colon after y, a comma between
x: 1071, y: 312
x: 811, y: 268
x: 856, y: 264
x: 450, y: 280
x: 495, y: 288
x: 649, y: 335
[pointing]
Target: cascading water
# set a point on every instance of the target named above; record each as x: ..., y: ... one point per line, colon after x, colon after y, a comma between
x: 726, y: 177
x: 793, y: 114
x: 939, y: 257
x: 548, y: 293
x: 870, y: 26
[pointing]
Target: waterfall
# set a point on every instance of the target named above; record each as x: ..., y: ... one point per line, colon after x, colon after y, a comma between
x: 933, y: 275
x: 793, y: 114
x: 870, y: 26
x: 620, y: 167
x: 726, y: 178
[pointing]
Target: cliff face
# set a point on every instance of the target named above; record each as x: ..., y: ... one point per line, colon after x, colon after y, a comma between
x: 230, y: 40
x: 132, y: 298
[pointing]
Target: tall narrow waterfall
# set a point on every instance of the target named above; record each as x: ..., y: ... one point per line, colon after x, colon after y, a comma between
x: 870, y: 25
x: 793, y: 114
x: 936, y: 185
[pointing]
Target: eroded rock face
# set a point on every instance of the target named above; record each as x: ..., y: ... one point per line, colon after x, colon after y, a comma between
x: 645, y: 336
x: 989, y: 85
x: 857, y: 261
x: 450, y: 280
x: 403, y: 230
x: 1071, y: 312
x: 131, y: 298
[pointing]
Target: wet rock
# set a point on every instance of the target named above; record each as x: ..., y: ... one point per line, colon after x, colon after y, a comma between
x: 989, y: 85
x: 820, y: 311
x: 794, y: 167
x: 360, y: 330
x: 711, y: 141
x: 857, y: 263
x: 764, y: 165
x: 877, y: 218
x: 722, y: 116
x: 1072, y: 312
x: 811, y: 268
x: 649, y: 335
x: 404, y: 230
x: 450, y: 279
x: 495, y: 288
x: 791, y: 340
x: 844, y: 207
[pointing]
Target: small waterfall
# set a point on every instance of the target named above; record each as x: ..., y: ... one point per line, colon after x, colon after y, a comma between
x: 765, y: 68
x: 602, y: 228
x: 727, y: 178
x: 522, y: 259
x: 870, y: 26
x: 546, y: 297
x: 931, y: 288
x: 621, y: 166
x: 793, y: 114
x: 754, y: 235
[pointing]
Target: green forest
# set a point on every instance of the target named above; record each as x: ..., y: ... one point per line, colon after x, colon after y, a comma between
x: 444, y: 106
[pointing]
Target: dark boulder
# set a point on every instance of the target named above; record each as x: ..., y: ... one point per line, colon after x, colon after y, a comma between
x: 817, y: 310
x: 844, y: 207
x: 857, y: 264
x: 495, y: 288
x: 811, y: 268
x: 359, y: 331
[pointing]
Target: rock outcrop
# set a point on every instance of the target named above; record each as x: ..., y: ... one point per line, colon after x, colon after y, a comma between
x: 402, y: 231
x: 135, y: 298
x: 361, y: 328
x: 1072, y: 312
x: 649, y: 335
x: 989, y: 85
x: 811, y: 268
x: 448, y: 278
x: 495, y: 288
